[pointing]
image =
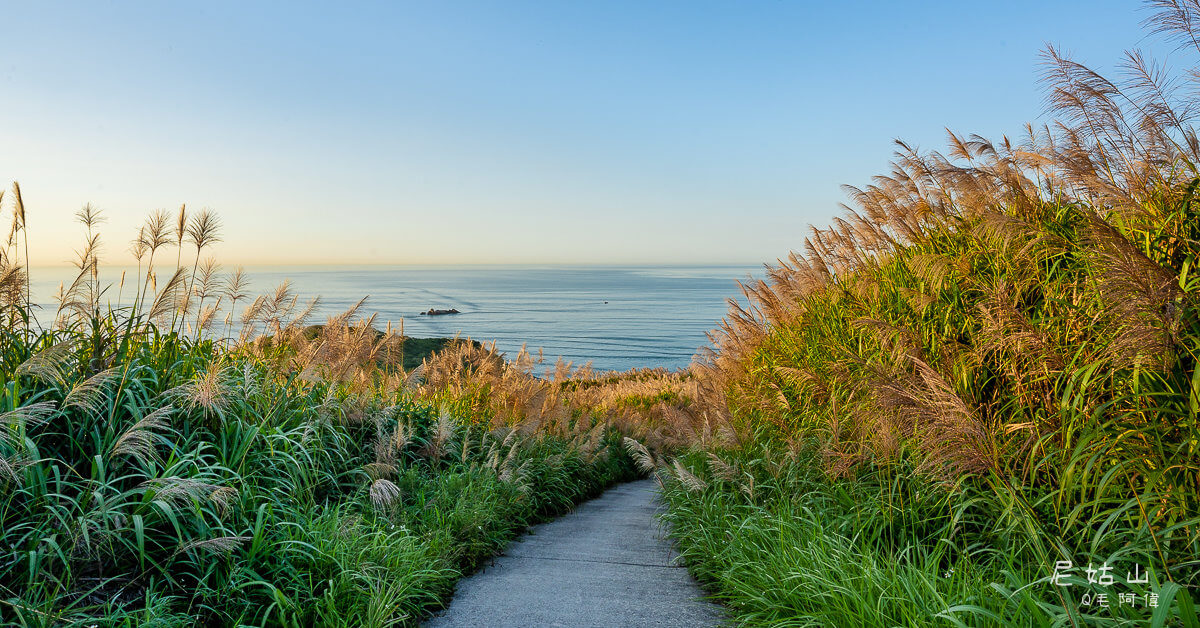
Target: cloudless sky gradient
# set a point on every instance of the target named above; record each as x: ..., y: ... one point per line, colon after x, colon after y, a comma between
x: 470, y: 132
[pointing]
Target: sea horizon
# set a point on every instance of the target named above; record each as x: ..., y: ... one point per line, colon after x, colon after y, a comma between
x: 612, y: 316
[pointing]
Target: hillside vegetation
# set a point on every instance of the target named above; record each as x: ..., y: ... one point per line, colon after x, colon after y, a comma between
x: 154, y: 474
x: 974, y: 399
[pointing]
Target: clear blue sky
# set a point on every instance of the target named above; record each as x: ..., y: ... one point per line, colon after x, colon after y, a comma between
x: 504, y: 131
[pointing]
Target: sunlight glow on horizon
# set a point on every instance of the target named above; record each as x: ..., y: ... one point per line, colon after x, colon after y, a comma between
x: 503, y: 132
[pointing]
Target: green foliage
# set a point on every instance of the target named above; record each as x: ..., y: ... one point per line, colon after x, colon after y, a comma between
x: 989, y: 369
x: 154, y: 479
x: 644, y: 403
x: 931, y: 435
x: 781, y: 543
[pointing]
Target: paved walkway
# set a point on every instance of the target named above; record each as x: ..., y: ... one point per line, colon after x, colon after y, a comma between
x: 606, y: 564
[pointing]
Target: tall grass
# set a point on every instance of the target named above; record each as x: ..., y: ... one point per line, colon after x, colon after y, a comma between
x: 984, y: 372
x: 987, y: 367
x: 156, y: 471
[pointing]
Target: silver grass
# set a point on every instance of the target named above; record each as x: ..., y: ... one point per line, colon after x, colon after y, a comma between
x: 219, y: 545
x: 138, y: 441
x: 51, y: 364
x: 641, y: 455
x: 687, y: 479
x: 384, y: 493
x: 89, y: 393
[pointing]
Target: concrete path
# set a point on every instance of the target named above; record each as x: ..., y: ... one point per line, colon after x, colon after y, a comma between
x: 606, y: 564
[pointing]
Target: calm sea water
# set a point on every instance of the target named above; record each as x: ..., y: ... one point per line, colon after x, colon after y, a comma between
x: 615, y: 317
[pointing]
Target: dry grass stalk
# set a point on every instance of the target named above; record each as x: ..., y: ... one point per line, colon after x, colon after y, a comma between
x: 379, y: 470
x: 209, y: 391
x: 687, y: 479
x: 641, y: 456
x: 52, y: 364
x: 138, y: 441
x: 384, y: 493
x: 10, y: 468
x: 220, y: 544
x: 722, y: 470
x: 176, y: 491
x: 1144, y: 301
x: 88, y: 394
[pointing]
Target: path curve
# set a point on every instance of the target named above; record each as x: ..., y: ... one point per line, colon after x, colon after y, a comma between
x: 608, y: 563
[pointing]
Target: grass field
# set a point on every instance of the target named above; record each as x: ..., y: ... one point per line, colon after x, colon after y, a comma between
x: 150, y: 475
x: 973, y: 400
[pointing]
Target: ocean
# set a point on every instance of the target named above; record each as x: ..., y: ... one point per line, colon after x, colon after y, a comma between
x: 615, y: 317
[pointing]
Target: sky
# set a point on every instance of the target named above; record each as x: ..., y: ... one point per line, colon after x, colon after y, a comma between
x: 504, y: 132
